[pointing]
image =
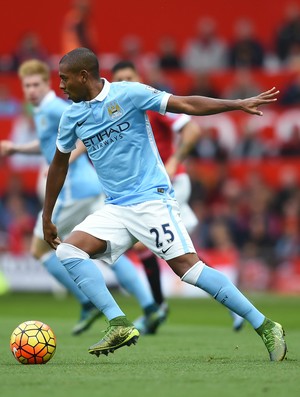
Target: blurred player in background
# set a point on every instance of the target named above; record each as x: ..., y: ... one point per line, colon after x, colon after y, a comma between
x: 175, y: 136
x: 80, y: 196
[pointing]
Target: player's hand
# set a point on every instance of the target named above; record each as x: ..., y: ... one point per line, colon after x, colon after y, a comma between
x: 50, y: 234
x: 250, y: 105
x: 6, y: 148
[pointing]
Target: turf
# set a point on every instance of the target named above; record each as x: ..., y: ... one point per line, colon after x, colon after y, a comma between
x: 195, y: 353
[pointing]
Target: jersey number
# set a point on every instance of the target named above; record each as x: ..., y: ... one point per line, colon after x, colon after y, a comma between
x: 166, y: 231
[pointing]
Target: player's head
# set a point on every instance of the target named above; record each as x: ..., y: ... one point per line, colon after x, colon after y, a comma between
x: 124, y: 71
x: 79, y: 71
x: 35, y: 77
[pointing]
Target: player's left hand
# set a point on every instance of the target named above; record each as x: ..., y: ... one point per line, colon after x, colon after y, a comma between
x: 250, y: 105
x: 50, y: 234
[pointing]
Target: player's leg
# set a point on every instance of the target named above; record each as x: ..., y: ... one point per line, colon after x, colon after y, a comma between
x: 130, y: 280
x: 89, y: 313
x: 224, y: 291
x: 74, y: 253
x: 148, y: 323
x: 171, y: 241
x: 183, y: 188
x: 152, y: 270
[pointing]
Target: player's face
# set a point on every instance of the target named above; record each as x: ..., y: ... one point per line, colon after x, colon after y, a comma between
x: 35, y: 88
x: 126, y: 74
x: 72, y: 84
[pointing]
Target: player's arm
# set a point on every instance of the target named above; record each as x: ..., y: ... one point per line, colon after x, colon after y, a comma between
x: 56, y: 177
x: 202, y: 106
x: 7, y: 148
x: 189, y: 136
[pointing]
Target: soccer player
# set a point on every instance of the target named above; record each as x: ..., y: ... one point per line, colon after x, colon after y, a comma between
x: 79, y: 196
x: 111, y: 121
x: 175, y: 136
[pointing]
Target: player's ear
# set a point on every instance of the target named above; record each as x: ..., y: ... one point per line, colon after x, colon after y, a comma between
x: 84, y: 75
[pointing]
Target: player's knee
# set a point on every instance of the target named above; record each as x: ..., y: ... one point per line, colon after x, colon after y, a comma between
x: 67, y: 251
x: 193, y: 274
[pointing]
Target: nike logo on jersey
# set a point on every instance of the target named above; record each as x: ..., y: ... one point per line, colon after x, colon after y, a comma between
x: 164, y: 251
x: 80, y: 123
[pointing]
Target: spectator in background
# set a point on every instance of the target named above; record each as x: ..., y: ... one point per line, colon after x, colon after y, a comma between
x: 288, y: 244
x: 78, y: 29
x: 249, y: 145
x: 203, y: 85
x: 9, y: 105
x: 246, y: 50
x: 168, y: 57
x: 208, y: 147
x: 287, y: 38
x: 18, y: 212
x: 291, y: 146
x: 29, y: 47
x: 242, y: 86
x: 23, y: 131
x: 290, y: 95
x: 206, y: 51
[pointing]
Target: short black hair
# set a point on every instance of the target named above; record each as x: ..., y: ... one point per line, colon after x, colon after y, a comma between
x: 123, y: 65
x: 82, y: 58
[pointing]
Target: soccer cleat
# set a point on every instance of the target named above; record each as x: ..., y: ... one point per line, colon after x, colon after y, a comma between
x: 149, y: 324
x: 119, y: 333
x: 87, y: 318
x: 272, y: 335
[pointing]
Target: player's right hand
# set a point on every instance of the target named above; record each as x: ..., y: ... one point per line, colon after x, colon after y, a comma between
x: 50, y: 234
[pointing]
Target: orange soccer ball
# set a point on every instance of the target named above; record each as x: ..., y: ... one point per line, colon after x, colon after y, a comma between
x: 33, y: 342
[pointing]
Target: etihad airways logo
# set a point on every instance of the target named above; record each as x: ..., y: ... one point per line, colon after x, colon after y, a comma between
x: 106, y: 137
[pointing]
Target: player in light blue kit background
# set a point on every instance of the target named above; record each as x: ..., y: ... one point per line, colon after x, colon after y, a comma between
x: 111, y: 121
x: 79, y: 196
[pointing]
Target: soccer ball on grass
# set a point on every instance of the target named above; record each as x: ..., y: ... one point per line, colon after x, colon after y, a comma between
x: 33, y: 342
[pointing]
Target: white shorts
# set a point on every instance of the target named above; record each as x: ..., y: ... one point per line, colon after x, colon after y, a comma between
x: 182, y: 188
x: 157, y: 224
x: 66, y: 217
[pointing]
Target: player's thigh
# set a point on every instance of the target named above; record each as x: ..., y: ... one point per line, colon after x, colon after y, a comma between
x: 158, y: 225
x: 67, y: 216
x: 106, y: 225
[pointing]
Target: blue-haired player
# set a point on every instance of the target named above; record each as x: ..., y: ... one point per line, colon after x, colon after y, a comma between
x: 110, y: 119
x: 79, y: 197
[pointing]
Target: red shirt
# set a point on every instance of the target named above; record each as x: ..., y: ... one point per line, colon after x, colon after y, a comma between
x: 164, y: 127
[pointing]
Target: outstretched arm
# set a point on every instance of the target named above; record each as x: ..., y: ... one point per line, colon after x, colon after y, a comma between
x: 56, y: 177
x: 203, y: 106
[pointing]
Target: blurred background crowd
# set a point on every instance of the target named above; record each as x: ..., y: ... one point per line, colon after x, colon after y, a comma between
x: 245, y: 170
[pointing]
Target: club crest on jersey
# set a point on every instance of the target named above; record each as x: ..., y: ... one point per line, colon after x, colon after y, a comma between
x: 114, y: 109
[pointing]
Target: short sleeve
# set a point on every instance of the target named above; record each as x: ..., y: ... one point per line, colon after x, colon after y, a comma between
x: 145, y: 97
x: 66, y: 138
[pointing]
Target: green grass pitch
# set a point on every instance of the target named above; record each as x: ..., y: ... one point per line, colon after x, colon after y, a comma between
x: 195, y: 353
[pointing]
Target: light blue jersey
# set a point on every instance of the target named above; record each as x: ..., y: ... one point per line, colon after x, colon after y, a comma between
x: 116, y: 131
x: 82, y: 180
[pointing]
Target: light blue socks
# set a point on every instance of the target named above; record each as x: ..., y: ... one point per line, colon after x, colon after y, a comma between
x: 130, y: 280
x: 89, y: 279
x: 57, y: 270
x: 221, y: 288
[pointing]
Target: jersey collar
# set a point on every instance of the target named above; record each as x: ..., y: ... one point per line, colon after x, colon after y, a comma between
x: 104, y: 92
